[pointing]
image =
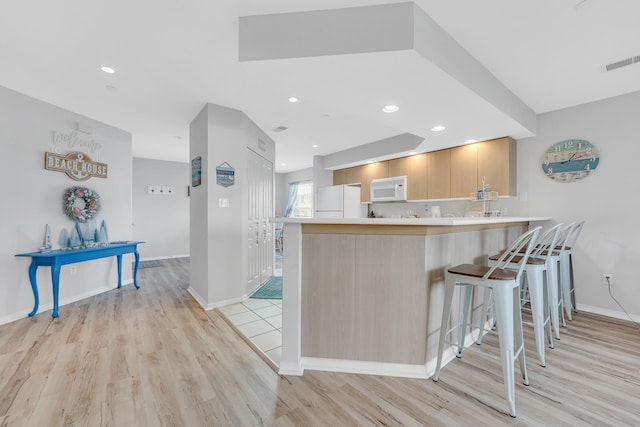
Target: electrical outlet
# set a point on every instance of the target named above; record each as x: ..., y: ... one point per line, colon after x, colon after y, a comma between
x: 607, y: 279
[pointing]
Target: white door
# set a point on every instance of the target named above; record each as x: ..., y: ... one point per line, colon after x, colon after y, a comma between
x: 260, y: 245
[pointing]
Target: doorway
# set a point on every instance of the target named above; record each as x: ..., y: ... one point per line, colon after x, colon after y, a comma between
x: 260, y: 243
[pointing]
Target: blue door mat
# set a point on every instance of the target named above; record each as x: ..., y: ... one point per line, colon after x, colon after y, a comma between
x: 272, y: 289
x: 150, y: 263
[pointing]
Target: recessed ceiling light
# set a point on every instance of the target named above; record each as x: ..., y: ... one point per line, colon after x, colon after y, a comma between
x: 293, y: 99
x: 107, y: 69
x: 390, y: 108
x: 579, y: 5
x: 470, y: 141
x: 283, y: 164
x: 315, y: 145
x: 438, y: 128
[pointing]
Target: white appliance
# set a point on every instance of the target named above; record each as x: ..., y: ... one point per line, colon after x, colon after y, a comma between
x: 338, y: 201
x: 389, y: 189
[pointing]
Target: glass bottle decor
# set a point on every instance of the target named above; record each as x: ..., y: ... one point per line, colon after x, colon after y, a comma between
x: 47, y: 237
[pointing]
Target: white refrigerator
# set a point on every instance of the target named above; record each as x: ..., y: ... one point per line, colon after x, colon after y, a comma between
x: 338, y: 201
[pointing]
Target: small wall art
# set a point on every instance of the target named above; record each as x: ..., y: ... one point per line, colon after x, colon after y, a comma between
x: 196, y: 171
x: 78, y: 166
x: 225, y: 175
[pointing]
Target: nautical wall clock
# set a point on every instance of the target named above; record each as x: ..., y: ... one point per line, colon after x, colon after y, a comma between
x: 570, y: 160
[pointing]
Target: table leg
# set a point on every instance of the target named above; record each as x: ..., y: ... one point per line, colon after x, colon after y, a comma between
x: 119, y: 257
x: 55, y: 280
x: 135, y: 268
x: 34, y: 287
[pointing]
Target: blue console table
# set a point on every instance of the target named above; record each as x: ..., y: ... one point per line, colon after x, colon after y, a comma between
x: 58, y: 258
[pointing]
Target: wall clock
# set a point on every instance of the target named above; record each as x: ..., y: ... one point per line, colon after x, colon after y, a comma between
x: 570, y: 160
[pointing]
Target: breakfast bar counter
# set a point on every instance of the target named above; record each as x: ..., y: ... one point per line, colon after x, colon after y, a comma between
x: 365, y: 295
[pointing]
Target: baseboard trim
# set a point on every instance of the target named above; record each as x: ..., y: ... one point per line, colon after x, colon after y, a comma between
x: 293, y: 369
x: 207, y: 306
x: 158, y: 258
x: 375, y: 368
x: 228, y: 302
x: 62, y: 302
x: 609, y: 313
x: 15, y: 316
x: 363, y: 367
x: 201, y: 301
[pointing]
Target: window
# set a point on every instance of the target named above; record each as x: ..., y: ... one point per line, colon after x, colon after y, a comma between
x: 303, y: 207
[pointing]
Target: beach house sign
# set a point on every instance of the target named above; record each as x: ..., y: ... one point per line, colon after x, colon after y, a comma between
x: 78, y: 166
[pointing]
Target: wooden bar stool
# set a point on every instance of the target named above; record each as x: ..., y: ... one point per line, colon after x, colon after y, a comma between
x: 538, y: 266
x: 505, y: 285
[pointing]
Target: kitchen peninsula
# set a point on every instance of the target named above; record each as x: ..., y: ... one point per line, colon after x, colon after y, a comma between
x: 365, y: 295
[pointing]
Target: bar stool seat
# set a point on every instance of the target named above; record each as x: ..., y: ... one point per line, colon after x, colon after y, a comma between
x: 505, y: 285
x: 537, y: 265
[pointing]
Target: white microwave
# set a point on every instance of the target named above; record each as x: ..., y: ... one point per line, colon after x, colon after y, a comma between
x: 389, y: 189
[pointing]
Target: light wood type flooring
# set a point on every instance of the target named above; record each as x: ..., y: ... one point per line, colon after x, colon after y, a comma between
x: 153, y: 357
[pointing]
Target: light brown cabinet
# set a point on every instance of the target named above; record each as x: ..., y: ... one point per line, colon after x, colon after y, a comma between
x: 452, y: 173
x: 346, y: 176
x: 497, y: 164
x: 339, y: 176
x: 367, y: 173
x: 464, y: 170
x: 439, y: 174
x: 415, y: 169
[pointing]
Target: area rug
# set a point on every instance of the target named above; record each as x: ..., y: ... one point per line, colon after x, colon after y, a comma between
x: 150, y: 263
x: 272, y: 289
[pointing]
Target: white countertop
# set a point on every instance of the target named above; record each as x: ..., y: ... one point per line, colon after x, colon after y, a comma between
x: 447, y: 221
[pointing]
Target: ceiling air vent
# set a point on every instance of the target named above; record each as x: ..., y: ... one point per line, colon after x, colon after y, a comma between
x: 280, y: 129
x: 622, y: 63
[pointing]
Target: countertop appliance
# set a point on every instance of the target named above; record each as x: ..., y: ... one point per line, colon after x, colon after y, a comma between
x: 338, y: 201
x: 392, y: 189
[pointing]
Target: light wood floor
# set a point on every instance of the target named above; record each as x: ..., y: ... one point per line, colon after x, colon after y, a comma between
x: 153, y: 357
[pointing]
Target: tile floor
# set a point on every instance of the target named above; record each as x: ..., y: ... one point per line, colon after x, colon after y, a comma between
x: 260, y: 320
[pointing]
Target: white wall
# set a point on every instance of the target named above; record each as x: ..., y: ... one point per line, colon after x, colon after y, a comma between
x: 33, y: 197
x: 607, y: 201
x: 219, y: 234
x: 281, y: 190
x: 161, y: 221
x: 199, y: 212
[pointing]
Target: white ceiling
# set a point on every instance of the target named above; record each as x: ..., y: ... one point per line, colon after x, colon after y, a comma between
x: 173, y: 56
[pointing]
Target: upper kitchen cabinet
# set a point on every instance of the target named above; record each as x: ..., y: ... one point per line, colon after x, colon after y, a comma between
x: 346, y: 176
x: 451, y: 173
x: 497, y: 164
x: 464, y: 170
x: 439, y: 174
x: 339, y: 176
x: 367, y: 173
x: 415, y: 169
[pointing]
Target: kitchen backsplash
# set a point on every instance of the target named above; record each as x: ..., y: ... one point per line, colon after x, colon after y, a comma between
x: 456, y: 208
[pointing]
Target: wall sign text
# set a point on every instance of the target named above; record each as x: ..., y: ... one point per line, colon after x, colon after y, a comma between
x: 78, y: 166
